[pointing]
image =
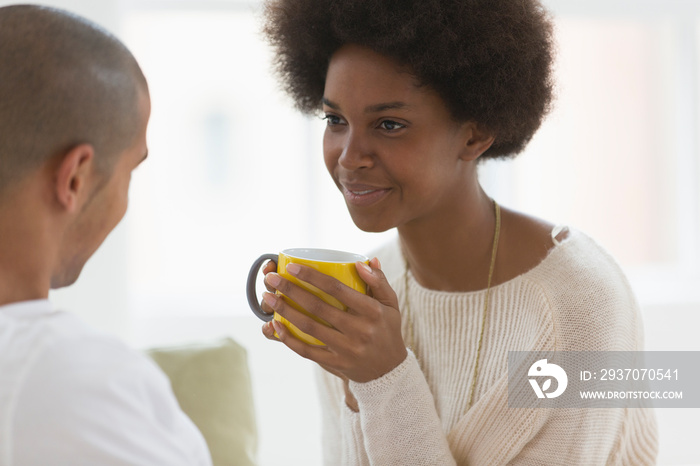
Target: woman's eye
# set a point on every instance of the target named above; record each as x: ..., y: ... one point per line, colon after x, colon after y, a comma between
x: 390, y: 125
x: 332, y: 120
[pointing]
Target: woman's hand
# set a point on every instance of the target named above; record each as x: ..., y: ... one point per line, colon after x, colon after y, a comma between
x: 363, y: 343
x: 270, y: 267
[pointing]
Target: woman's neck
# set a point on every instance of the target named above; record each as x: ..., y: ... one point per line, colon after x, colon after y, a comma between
x: 451, y: 250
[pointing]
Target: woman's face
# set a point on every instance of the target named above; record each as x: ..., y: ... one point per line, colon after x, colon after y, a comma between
x: 391, y: 146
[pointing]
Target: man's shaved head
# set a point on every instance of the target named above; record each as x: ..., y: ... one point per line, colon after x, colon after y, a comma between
x: 64, y: 81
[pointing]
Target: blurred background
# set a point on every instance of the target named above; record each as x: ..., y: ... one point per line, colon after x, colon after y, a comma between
x: 234, y: 172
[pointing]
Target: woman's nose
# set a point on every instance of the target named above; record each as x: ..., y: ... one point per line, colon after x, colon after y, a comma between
x: 356, y: 152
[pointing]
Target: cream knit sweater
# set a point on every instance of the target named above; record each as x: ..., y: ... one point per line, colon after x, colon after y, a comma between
x: 576, y: 299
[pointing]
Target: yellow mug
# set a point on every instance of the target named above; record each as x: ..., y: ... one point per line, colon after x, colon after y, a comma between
x: 338, y: 264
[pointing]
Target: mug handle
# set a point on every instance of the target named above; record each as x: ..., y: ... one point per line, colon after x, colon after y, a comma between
x: 250, y: 287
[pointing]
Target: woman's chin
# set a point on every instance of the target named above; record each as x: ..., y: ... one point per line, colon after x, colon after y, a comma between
x: 371, y: 225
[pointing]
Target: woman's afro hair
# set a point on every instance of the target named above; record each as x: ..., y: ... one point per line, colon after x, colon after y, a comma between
x: 490, y: 60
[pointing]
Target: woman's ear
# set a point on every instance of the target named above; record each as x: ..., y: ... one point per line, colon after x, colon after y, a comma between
x: 73, y: 176
x: 477, y: 141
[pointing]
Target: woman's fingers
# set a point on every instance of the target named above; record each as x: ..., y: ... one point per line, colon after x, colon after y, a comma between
x: 302, y: 321
x: 356, y: 302
x: 305, y: 299
x: 363, y: 343
x: 269, y: 331
x: 377, y: 284
x: 270, y: 266
x: 266, y: 309
x: 318, y: 354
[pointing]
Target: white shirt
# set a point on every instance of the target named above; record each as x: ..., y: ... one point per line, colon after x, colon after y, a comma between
x: 72, y: 396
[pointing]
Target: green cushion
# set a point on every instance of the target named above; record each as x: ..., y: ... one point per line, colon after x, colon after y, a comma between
x: 212, y: 383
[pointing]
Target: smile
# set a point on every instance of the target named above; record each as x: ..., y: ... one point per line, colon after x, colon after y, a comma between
x: 363, y: 195
x: 360, y: 193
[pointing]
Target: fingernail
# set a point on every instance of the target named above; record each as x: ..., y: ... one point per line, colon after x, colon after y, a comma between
x: 379, y: 264
x: 278, y: 326
x: 270, y: 299
x: 273, y: 279
x: 367, y: 268
x: 293, y: 269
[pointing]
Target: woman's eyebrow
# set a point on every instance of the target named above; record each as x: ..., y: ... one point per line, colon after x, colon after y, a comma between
x: 398, y: 105
x: 386, y: 106
x: 330, y: 104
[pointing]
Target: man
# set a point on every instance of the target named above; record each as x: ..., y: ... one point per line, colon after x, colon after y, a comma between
x: 74, y: 107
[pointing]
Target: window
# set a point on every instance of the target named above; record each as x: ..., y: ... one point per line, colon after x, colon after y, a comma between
x: 617, y: 157
x: 236, y: 171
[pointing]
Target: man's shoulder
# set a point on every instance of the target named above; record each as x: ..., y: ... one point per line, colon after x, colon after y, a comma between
x: 92, y: 394
x: 59, y: 351
x: 104, y: 398
x: 78, y: 358
x: 62, y: 341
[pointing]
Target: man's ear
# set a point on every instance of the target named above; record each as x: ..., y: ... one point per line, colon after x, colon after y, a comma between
x: 74, y: 172
x: 477, y: 141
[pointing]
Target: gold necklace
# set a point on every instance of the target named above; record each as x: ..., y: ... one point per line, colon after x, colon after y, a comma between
x: 407, y: 306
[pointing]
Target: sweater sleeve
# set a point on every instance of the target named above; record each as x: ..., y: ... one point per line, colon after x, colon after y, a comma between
x: 398, y: 420
x: 341, y: 432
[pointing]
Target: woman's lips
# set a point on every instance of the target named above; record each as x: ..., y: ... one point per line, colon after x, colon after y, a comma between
x: 363, y: 195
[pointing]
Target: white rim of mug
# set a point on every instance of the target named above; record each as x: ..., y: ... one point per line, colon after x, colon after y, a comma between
x: 317, y: 255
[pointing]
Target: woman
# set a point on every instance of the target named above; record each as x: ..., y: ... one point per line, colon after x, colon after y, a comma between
x: 415, y: 94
